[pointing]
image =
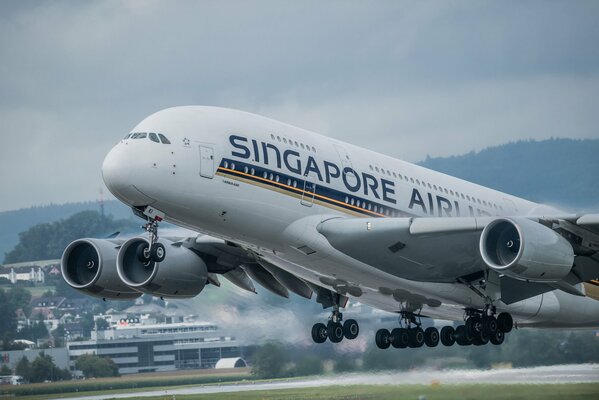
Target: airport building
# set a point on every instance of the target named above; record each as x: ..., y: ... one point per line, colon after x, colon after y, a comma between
x: 139, y: 347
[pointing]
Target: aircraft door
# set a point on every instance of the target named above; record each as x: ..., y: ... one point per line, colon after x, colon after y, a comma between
x: 309, y: 190
x: 206, y: 162
x: 346, y: 163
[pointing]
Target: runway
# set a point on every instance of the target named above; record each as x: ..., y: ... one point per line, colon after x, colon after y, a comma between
x: 584, y: 373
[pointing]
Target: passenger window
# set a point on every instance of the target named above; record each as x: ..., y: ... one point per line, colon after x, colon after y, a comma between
x: 164, y: 139
x: 232, y: 165
x: 226, y: 164
x: 154, y: 137
x: 245, y: 170
x: 284, y: 140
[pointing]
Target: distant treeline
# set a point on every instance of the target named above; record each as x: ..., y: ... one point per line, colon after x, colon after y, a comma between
x: 562, y: 172
x: 48, y: 240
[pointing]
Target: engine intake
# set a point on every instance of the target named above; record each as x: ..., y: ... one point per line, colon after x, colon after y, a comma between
x: 526, y: 250
x: 89, y: 265
x: 182, y: 274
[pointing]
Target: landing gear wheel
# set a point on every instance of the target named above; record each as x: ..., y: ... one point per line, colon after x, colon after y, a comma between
x: 462, y: 336
x: 400, y: 338
x: 489, y: 325
x: 157, y: 252
x: 505, y: 322
x: 351, y: 329
x: 143, y: 253
x: 498, y: 338
x: 382, y: 339
x: 319, y: 333
x: 480, y: 339
x: 335, y: 332
x: 431, y: 337
x: 416, y: 337
x: 473, y: 325
x: 447, y: 336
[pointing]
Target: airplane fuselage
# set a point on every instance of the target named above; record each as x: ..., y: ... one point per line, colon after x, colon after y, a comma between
x: 264, y: 184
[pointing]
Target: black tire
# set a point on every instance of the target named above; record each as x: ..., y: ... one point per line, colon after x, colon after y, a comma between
x: 382, y: 339
x: 473, y: 325
x: 480, y: 339
x: 335, y: 332
x: 351, y: 329
x: 431, y: 337
x: 400, y: 338
x: 416, y: 337
x: 489, y: 325
x: 319, y: 333
x: 498, y: 338
x: 157, y: 252
x: 447, y: 336
x: 143, y: 252
x: 462, y: 336
x: 505, y: 322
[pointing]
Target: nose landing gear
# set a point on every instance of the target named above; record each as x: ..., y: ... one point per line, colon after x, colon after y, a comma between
x: 154, y: 251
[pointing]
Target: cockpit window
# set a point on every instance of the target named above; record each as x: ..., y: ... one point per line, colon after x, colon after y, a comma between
x: 164, y: 139
x: 139, y: 135
x: 153, y: 137
x: 127, y: 137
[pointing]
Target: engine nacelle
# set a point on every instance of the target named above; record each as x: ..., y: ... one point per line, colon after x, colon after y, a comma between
x: 182, y: 273
x: 526, y: 250
x: 89, y: 265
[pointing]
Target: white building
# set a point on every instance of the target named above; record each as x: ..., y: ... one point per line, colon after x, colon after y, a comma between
x: 35, y: 275
x: 139, y: 348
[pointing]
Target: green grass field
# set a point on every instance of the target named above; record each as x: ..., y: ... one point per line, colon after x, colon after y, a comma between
x: 413, y: 392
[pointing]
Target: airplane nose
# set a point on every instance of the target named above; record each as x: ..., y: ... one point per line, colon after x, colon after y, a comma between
x: 120, y: 172
x: 116, y: 171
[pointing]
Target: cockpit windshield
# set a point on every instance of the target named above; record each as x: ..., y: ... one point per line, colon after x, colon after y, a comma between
x: 154, y: 137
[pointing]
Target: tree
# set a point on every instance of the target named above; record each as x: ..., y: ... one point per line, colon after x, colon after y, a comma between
x: 23, y: 368
x: 8, y: 322
x: 47, y: 241
x: 94, y: 366
x: 43, y: 369
x: 270, y: 361
x: 5, y: 370
x: 102, y: 324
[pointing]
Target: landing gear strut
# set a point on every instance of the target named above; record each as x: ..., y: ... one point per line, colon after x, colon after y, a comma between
x: 154, y: 251
x: 334, y: 330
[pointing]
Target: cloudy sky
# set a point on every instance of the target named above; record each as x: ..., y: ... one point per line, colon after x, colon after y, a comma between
x: 407, y: 78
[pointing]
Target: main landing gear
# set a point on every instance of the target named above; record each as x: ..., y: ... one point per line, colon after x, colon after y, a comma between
x: 154, y: 251
x: 335, y: 330
x: 480, y: 328
x: 411, y: 335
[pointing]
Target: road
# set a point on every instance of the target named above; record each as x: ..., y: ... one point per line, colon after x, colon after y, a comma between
x: 585, y: 373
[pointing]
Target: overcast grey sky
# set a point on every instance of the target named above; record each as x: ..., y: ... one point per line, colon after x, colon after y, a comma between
x: 407, y: 78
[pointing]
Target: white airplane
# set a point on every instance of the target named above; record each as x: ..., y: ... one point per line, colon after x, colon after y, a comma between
x: 296, y: 211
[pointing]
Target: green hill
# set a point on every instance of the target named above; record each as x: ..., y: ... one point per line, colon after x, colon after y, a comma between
x: 561, y: 172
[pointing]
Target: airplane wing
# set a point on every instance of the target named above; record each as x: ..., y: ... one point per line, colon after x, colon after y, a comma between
x: 449, y: 250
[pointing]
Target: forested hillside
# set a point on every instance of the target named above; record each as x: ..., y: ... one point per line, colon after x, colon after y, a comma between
x: 48, y: 240
x: 14, y: 222
x: 561, y: 172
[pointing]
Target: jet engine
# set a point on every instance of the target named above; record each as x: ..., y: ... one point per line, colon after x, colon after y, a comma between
x: 182, y: 273
x: 526, y: 250
x: 89, y: 265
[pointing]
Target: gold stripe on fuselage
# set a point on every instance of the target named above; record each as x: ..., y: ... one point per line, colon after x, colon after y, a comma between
x: 295, y: 192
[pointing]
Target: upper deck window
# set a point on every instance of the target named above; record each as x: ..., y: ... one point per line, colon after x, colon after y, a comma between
x: 164, y: 139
